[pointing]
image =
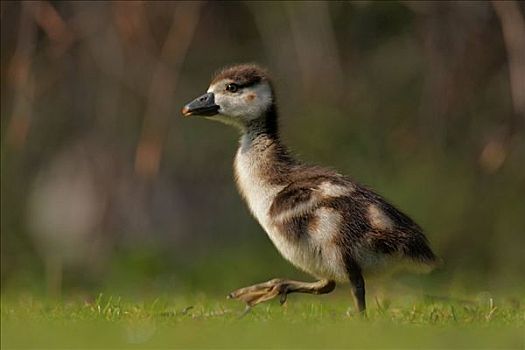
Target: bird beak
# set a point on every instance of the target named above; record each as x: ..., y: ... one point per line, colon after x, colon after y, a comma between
x: 203, y: 105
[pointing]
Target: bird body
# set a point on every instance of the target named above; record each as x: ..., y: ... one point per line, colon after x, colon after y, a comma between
x: 317, y: 218
x: 322, y: 222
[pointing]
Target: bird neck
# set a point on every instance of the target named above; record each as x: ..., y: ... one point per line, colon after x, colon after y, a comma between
x: 261, y: 147
x: 261, y: 131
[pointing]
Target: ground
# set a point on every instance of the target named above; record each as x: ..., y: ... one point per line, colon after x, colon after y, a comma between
x: 306, y: 321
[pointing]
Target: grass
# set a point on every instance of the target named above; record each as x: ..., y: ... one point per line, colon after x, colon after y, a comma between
x: 304, y: 322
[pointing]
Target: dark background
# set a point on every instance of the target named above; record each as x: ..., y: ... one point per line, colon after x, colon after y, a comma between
x: 105, y: 187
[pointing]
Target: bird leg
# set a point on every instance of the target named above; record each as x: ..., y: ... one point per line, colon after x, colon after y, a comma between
x: 261, y: 292
x: 357, y: 284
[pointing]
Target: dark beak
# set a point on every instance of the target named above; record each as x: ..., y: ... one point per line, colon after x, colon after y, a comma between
x: 204, y: 105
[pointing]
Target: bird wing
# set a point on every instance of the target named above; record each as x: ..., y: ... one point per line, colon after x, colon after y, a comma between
x: 368, y: 220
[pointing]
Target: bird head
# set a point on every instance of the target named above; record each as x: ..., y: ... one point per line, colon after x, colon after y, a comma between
x: 237, y: 96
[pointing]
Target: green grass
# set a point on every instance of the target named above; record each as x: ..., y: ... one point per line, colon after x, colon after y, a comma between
x: 304, y: 322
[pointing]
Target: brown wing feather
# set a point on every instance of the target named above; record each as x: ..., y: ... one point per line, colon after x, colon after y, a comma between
x: 401, y: 236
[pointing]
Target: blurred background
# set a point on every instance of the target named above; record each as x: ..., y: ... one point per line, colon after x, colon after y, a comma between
x: 105, y: 187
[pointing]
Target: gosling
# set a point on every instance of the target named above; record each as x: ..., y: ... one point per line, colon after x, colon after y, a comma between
x: 324, y: 223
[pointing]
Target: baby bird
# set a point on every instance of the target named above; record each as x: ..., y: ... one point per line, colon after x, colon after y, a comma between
x: 322, y: 222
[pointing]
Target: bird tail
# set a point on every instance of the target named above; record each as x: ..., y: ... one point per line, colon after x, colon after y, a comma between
x: 420, y: 253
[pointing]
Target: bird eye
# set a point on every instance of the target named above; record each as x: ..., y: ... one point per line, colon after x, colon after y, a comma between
x: 232, y: 87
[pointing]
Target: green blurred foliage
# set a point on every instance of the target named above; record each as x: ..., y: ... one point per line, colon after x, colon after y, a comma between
x: 105, y: 187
